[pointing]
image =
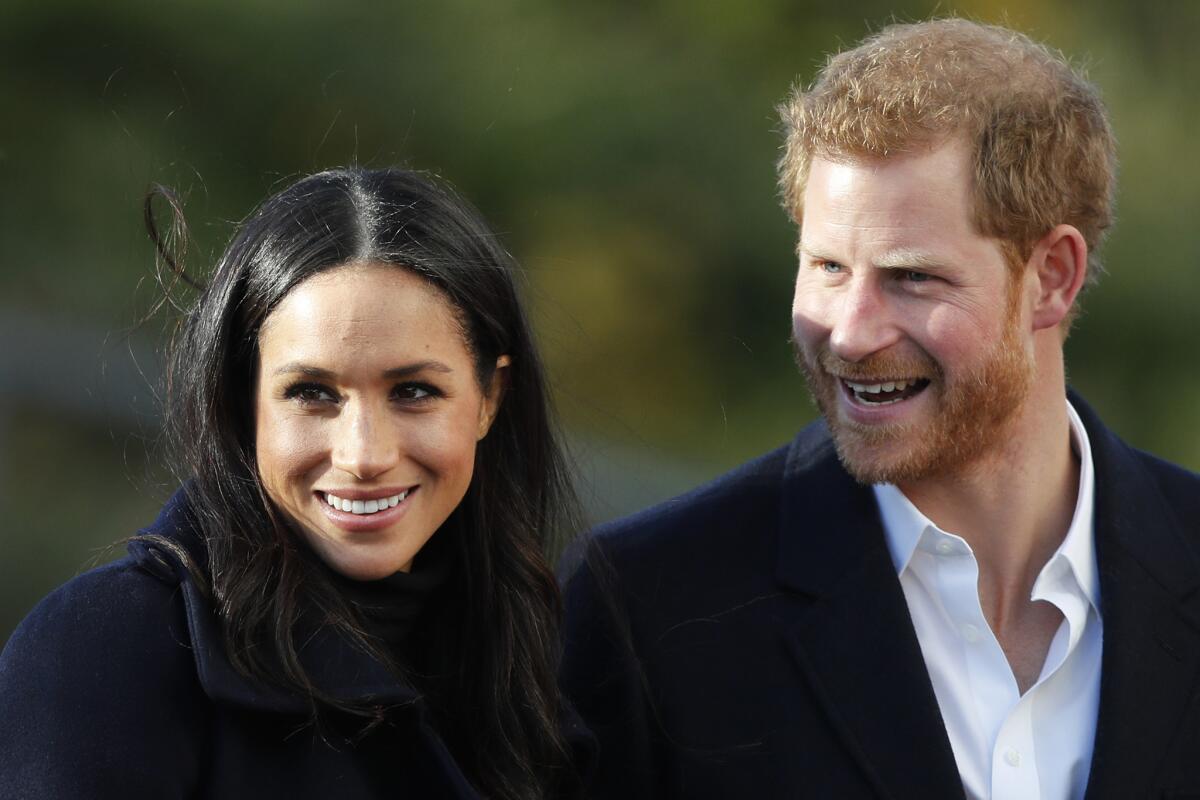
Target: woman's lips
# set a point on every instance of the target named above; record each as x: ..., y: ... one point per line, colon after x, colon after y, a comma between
x: 351, y: 511
x: 364, y: 503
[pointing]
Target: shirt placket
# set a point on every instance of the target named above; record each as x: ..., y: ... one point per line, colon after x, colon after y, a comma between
x: 1003, y: 715
x: 1014, y: 759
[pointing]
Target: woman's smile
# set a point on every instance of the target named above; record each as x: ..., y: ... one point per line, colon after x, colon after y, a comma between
x: 345, y: 501
x: 366, y: 516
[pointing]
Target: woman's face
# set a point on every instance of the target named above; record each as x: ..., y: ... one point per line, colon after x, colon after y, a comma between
x: 367, y: 412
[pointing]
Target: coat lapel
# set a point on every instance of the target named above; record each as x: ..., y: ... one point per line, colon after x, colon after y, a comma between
x: 855, y: 643
x: 1150, y: 610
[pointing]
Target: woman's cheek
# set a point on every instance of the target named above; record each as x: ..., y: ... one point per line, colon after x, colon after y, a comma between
x: 444, y: 444
x: 289, y: 446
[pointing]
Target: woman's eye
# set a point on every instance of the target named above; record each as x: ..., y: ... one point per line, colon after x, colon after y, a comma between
x: 310, y: 393
x: 414, y: 392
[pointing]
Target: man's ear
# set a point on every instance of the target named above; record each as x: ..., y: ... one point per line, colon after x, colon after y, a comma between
x: 493, y: 396
x: 1059, y: 262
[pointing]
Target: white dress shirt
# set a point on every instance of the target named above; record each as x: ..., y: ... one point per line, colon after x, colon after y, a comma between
x: 1008, y: 747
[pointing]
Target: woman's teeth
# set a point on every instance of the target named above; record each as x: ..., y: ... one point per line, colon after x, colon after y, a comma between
x: 365, y: 506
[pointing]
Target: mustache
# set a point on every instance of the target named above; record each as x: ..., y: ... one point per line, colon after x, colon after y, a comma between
x: 883, y: 365
x: 880, y: 365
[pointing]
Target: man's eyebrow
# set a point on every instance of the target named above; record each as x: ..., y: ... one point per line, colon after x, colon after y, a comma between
x: 892, y: 259
x: 395, y: 373
x: 814, y: 253
x: 909, y: 259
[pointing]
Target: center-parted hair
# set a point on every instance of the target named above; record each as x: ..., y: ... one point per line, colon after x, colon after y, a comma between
x: 495, y: 697
x: 1043, y: 151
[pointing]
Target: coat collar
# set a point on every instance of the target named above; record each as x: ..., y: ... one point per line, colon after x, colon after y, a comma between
x: 339, y: 668
x: 819, y: 499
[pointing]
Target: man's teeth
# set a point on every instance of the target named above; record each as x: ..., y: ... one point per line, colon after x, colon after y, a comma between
x: 886, y: 392
x: 365, y: 506
x: 876, y: 388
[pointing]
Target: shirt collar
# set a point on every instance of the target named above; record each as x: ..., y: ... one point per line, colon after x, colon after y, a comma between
x: 903, y: 523
x: 907, y: 529
x: 1078, y: 549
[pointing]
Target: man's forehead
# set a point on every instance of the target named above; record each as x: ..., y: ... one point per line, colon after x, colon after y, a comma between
x: 946, y: 163
x: 917, y: 204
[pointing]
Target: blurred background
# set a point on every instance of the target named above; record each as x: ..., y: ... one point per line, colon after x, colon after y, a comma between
x: 624, y: 150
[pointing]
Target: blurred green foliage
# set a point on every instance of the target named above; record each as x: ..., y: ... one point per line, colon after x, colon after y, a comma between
x: 625, y: 151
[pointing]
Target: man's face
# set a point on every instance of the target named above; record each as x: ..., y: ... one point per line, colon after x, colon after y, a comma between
x: 905, y: 320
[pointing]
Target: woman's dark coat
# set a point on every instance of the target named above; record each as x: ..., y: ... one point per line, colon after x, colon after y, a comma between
x: 117, y: 686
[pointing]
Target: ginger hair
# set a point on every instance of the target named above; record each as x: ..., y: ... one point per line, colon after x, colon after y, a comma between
x: 1043, y: 150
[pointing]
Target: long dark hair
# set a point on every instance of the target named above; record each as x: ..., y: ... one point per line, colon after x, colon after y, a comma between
x: 497, y: 704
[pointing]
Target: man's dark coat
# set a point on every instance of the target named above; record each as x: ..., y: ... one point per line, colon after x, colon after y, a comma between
x: 117, y: 686
x: 751, y: 639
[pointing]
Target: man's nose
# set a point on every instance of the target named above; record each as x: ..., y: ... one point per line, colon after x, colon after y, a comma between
x: 862, y: 321
x: 365, y: 446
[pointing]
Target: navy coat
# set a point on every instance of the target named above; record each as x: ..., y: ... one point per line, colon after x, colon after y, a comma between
x: 751, y: 639
x: 117, y: 686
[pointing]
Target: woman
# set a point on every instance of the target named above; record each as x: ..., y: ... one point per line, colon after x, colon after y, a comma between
x: 348, y: 597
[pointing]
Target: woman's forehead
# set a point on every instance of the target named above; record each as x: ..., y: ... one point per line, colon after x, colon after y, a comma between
x: 362, y: 310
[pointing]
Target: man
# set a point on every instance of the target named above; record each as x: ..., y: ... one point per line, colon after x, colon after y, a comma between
x: 960, y: 583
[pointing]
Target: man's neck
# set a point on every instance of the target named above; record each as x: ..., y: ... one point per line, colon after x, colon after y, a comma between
x: 1014, y: 508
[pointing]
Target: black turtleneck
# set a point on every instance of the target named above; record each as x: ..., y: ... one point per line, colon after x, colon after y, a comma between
x: 392, y: 606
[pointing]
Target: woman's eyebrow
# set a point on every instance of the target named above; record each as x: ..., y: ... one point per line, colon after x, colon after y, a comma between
x: 299, y: 368
x: 405, y: 371
x: 418, y: 366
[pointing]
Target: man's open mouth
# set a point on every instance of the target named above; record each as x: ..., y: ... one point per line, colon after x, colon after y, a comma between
x: 884, y: 392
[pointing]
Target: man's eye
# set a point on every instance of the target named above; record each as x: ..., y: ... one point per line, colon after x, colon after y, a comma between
x: 832, y: 267
x: 917, y: 277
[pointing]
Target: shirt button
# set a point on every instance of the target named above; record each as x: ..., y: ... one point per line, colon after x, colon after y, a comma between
x: 1012, y: 757
x: 944, y: 547
x: 970, y: 633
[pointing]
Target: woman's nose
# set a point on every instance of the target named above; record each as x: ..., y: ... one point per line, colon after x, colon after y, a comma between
x: 364, y: 446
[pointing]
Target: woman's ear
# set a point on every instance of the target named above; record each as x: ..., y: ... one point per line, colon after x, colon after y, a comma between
x: 493, y: 395
x: 1059, y: 262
